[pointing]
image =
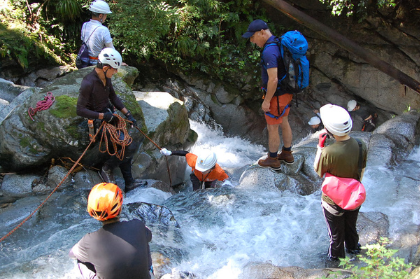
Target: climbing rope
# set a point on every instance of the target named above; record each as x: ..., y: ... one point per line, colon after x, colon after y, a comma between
x: 42, y: 105
x: 55, y: 189
x: 114, y: 132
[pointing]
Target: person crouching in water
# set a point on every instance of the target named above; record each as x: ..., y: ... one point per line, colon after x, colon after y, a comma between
x: 205, y: 170
x: 118, y: 250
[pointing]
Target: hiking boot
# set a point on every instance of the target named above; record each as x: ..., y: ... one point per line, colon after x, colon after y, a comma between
x: 355, y: 251
x: 286, y: 156
x: 107, y: 176
x: 135, y: 184
x: 270, y: 162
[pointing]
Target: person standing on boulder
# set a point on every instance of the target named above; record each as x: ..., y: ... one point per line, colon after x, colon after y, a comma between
x: 95, y: 94
x: 120, y: 249
x: 340, y: 159
x: 94, y: 34
x: 276, y: 104
x: 205, y: 170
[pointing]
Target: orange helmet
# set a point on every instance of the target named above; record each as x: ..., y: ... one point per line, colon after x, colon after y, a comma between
x: 105, y: 201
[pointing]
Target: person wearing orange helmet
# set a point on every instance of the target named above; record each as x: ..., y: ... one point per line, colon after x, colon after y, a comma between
x: 120, y: 249
x: 205, y: 171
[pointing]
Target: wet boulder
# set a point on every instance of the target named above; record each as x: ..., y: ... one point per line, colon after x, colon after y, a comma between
x: 394, y: 139
x: 166, y: 120
x: 56, y: 131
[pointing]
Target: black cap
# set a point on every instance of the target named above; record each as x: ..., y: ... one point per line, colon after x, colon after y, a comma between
x: 256, y: 25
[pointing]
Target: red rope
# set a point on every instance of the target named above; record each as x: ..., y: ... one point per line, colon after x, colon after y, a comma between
x: 42, y: 105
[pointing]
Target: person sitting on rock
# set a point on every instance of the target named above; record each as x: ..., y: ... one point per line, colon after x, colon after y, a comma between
x: 367, y: 115
x: 95, y: 94
x: 120, y: 249
x: 205, y: 170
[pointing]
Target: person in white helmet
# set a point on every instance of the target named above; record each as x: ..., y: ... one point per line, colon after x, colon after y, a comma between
x: 316, y: 124
x: 364, y: 116
x: 94, y: 34
x: 205, y: 170
x: 340, y: 159
x: 95, y: 94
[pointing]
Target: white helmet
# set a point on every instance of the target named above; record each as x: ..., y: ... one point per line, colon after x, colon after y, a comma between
x: 111, y: 57
x: 99, y: 7
x: 205, y: 161
x: 351, y: 105
x: 314, y: 121
x: 336, y: 119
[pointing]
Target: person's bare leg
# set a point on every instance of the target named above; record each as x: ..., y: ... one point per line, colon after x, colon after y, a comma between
x: 273, y: 138
x: 286, y: 132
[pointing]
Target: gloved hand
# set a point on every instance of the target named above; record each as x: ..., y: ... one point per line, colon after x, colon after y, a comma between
x: 131, y: 118
x: 322, y: 138
x: 108, y: 116
x: 166, y: 152
x: 227, y: 183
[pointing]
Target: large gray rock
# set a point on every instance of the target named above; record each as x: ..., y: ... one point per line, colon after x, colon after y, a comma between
x: 166, y: 119
x: 57, y: 131
x: 18, y: 186
x: 394, y: 139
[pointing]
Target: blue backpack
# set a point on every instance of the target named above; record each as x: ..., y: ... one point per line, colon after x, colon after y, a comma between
x: 293, y: 47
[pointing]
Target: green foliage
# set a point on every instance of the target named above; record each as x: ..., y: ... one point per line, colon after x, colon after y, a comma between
x: 190, y: 35
x: 21, y: 42
x: 378, y: 263
x: 361, y: 7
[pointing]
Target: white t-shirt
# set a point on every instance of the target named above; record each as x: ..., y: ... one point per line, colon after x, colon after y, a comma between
x: 100, y: 37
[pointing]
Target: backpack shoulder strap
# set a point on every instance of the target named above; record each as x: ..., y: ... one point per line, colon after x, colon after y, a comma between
x: 91, y: 34
x: 360, y: 159
x: 276, y: 42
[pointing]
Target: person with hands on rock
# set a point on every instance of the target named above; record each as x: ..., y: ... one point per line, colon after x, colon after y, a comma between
x: 340, y: 159
x: 205, y: 170
x: 97, y: 100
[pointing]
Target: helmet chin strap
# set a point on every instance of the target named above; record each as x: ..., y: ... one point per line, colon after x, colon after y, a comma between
x: 329, y: 133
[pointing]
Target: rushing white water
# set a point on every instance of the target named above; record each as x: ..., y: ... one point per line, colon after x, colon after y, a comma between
x: 221, y: 230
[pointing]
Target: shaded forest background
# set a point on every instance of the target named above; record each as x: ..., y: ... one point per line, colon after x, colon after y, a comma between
x: 187, y: 35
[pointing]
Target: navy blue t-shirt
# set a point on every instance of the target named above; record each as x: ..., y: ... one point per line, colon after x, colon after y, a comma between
x: 270, y: 58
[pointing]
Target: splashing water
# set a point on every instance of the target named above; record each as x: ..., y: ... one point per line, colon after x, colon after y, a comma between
x: 221, y: 230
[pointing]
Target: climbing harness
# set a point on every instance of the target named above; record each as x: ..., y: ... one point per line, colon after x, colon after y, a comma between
x: 264, y: 90
x: 42, y: 105
x: 277, y: 117
x: 115, y: 132
x: 53, y: 191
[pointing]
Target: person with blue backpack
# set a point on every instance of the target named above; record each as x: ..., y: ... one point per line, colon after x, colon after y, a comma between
x: 283, y: 72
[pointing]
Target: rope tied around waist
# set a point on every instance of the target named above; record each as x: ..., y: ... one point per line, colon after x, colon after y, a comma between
x: 42, y: 105
x: 114, y: 133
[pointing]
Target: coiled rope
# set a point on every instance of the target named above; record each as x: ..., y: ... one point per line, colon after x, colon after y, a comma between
x: 53, y: 191
x: 114, y: 132
x: 42, y: 105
